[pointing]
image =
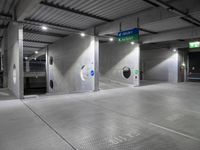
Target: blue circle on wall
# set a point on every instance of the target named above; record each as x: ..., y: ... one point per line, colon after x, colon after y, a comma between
x: 92, y: 73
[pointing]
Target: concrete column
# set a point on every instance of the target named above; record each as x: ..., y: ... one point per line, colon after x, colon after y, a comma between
x: 136, y: 69
x: 174, y: 67
x: 47, y: 70
x: 15, y: 59
x: 96, y: 64
x: 27, y: 66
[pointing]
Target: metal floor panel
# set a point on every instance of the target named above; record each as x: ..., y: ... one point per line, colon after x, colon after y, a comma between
x: 153, y: 117
x: 158, y: 116
x: 20, y: 129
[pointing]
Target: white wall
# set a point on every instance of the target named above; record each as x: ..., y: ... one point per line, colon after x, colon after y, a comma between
x: 15, y: 57
x: 114, y: 56
x: 160, y: 65
x: 70, y: 54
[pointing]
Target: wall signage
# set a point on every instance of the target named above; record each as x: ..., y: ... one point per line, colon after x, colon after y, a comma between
x: 136, y: 72
x: 195, y: 44
x: 92, y: 73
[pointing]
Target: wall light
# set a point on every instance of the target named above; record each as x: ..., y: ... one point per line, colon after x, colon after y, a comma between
x: 111, y: 39
x: 36, y: 52
x: 83, y: 34
x: 44, y: 28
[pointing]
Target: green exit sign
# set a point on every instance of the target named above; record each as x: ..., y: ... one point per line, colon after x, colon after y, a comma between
x: 194, y: 44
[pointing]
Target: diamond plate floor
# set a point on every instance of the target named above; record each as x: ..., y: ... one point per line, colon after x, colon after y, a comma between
x: 154, y: 117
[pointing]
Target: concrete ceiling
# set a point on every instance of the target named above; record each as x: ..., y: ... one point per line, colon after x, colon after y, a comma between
x: 63, y: 17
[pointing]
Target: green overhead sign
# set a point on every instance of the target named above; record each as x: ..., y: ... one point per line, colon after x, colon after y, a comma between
x: 195, y: 44
x: 129, y: 35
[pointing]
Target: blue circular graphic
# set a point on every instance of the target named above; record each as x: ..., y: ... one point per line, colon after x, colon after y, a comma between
x: 92, y: 73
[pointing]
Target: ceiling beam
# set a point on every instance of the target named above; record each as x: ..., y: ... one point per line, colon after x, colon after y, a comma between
x: 151, y: 3
x: 3, y: 26
x: 157, y: 15
x: 76, y: 11
x: 33, y: 41
x: 184, y: 34
x: 53, y: 24
x: 184, y: 15
x: 148, y: 31
x: 5, y: 15
x: 33, y: 47
x: 131, y: 21
x: 40, y: 53
x: 25, y: 8
x: 44, y: 33
x: 189, y: 21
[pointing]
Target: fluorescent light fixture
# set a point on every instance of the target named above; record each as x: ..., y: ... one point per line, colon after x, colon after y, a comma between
x: 111, y: 39
x: 44, y: 28
x: 132, y: 43
x: 36, y: 52
x: 83, y: 34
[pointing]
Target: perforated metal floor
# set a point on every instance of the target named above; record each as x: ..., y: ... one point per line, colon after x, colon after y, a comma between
x: 154, y: 117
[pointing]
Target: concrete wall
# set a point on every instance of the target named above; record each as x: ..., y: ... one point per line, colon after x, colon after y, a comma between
x: 15, y: 59
x: 4, y: 61
x: 114, y: 56
x: 159, y: 65
x: 69, y: 55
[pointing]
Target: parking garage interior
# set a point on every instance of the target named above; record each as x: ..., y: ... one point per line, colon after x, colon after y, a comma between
x: 99, y: 75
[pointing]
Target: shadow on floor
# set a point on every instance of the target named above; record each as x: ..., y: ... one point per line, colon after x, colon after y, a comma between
x: 148, y: 82
x: 6, y: 94
x: 33, y: 91
x: 107, y: 84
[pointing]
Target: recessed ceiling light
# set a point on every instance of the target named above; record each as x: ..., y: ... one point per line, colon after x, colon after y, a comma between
x: 36, y: 52
x: 183, y: 64
x: 132, y: 43
x: 111, y: 39
x: 83, y: 34
x: 44, y: 28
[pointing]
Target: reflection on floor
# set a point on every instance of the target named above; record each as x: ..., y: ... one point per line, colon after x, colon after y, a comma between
x: 155, y: 117
x: 5, y: 94
x: 32, y: 91
x: 149, y: 82
x: 106, y: 84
